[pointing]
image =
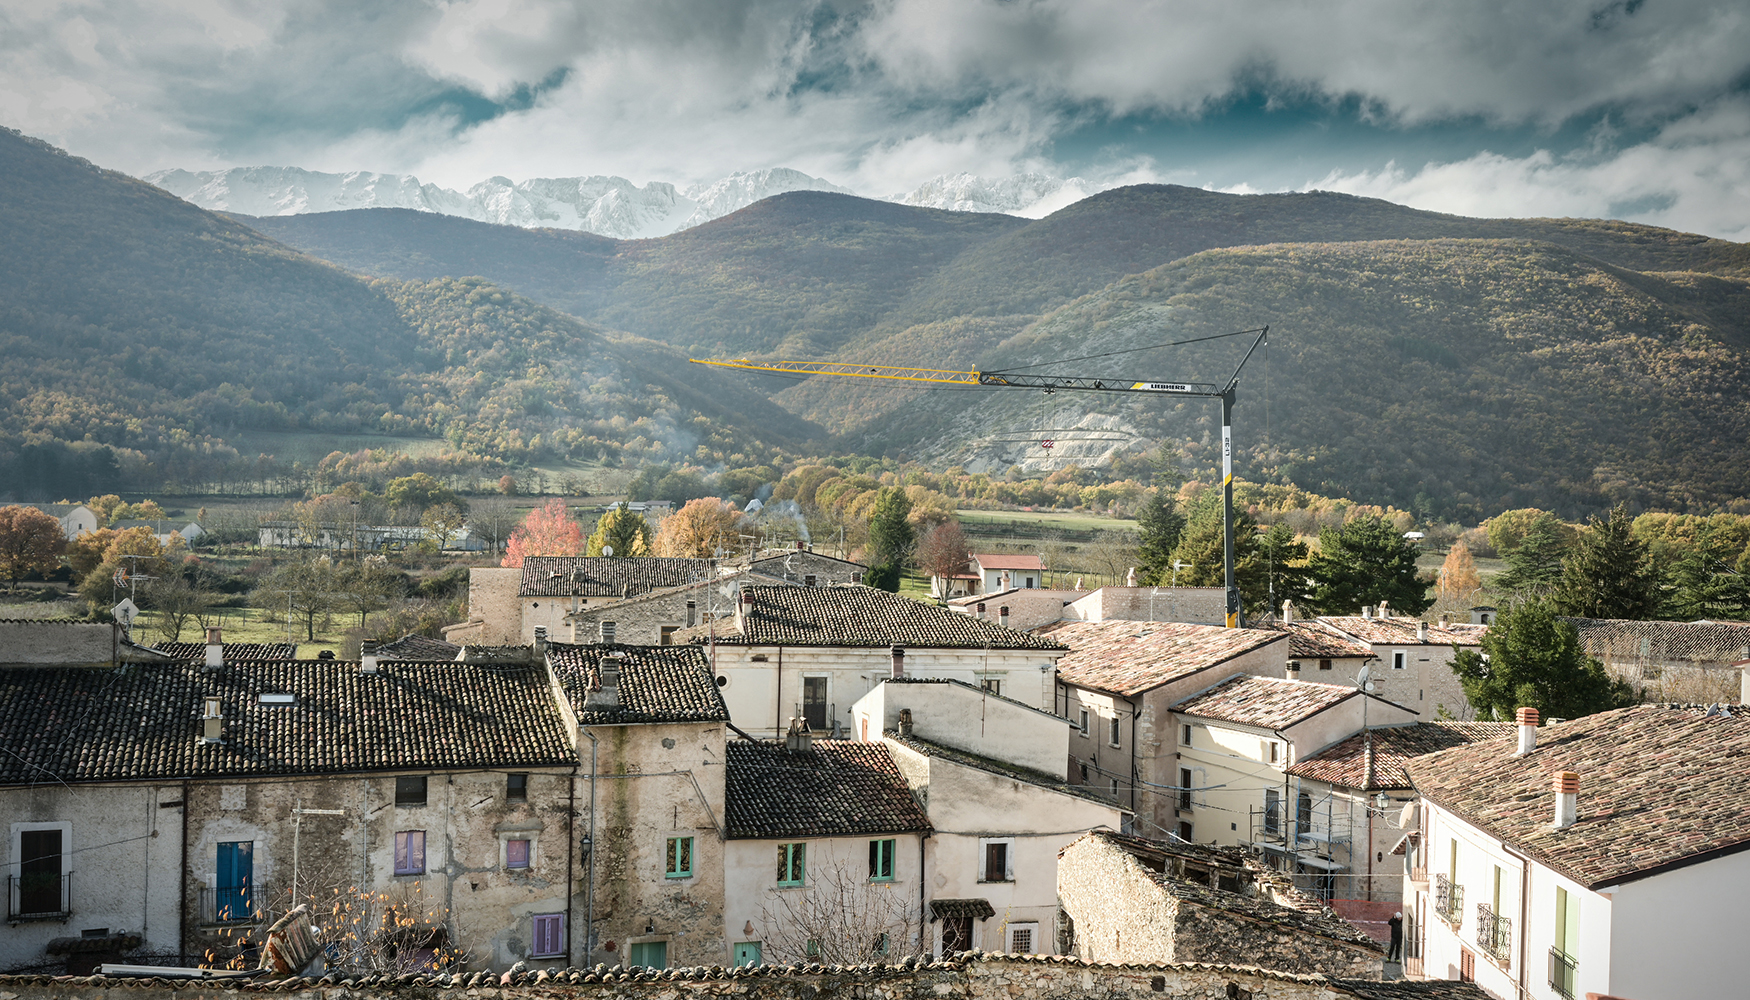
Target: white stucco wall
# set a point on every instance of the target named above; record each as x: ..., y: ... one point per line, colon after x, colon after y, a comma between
x: 756, y: 908
x: 967, y: 719
x: 1671, y: 935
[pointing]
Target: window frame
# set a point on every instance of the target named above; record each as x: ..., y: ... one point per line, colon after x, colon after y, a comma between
x: 528, y: 860
x: 1115, y: 736
x: 516, y: 786
x: 404, y: 794
x: 792, y: 864
x: 883, y: 858
x: 1185, y: 734
x: 673, y: 847
x: 403, y: 841
x: 985, y: 845
x: 555, y: 935
x: 1399, y: 659
x: 1083, y: 726
x: 16, y: 858
x: 1027, y: 927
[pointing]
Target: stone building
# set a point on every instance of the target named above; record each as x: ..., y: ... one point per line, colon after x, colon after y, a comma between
x: 1017, y: 608
x: 1133, y: 901
x: 505, y: 605
x: 1669, y: 661
x: 810, y: 652
x: 653, y: 618
x: 804, y: 566
x: 1414, y: 658
x: 1117, y: 689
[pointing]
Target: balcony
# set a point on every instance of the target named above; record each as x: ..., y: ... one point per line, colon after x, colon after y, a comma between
x: 39, y: 896
x: 228, y: 905
x: 1562, y: 967
x: 1494, y: 935
x: 1448, y: 901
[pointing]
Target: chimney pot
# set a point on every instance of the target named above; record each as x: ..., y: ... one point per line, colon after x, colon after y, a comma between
x: 367, y: 657
x: 1421, y: 631
x: 800, y: 739
x: 1567, y: 788
x: 1293, y: 673
x: 1383, y: 611
x: 212, y: 720
x: 692, y: 613
x: 1003, y: 616
x: 1527, y: 730
x: 905, y: 722
x: 799, y: 545
x: 215, y: 648
x: 898, y: 661
x: 1287, y: 611
x: 1367, y: 612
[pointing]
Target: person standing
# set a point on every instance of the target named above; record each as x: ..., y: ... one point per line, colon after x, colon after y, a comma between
x: 1396, y: 923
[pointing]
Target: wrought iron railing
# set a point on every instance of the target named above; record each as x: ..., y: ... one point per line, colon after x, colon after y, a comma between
x: 39, y: 896
x: 1562, y: 968
x: 1448, y: 900
x: 229, y: 905
x: 1494, y: 933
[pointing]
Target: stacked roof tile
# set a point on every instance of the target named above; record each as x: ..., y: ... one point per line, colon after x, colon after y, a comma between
x: 145, y: 723
x: 1659, y: 787
x: 656, y: 683
x: 857, y: 616
x: 1398, y: 631
x: 417, y: 647
x: 1317, y: 641
x: 1264, y: 702
x: 608, y: 576
x: 837, y: 788
x: 1129, y: 657
x: 231, y: 650
x: 1377, y: 759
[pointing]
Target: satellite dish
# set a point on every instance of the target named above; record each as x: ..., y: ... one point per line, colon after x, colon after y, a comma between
x: 607, y: 550
x: 126, y: 612
x: 1364, y: 676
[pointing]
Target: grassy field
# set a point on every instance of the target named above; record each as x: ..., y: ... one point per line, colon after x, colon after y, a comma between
x: 289, y: 446
x: 1045, y: 519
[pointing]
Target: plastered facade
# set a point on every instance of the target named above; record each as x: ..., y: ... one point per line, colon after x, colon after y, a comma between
x: 1198, y: 605
x: 761, y: 911
x: 966, y: 718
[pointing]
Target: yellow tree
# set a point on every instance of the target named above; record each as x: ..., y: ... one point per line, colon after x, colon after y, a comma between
x: 30, y: 541
x: 700, y: 529
x: 1458, y: 575
x: 621, y: 529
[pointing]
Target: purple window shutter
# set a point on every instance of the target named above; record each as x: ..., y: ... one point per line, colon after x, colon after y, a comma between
x: 549, y: 934
x: 416, y: 850
x: 400, y: 853
x: 516, y: 854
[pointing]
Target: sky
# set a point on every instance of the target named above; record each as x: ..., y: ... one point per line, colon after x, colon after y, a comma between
x: 1628, y: 109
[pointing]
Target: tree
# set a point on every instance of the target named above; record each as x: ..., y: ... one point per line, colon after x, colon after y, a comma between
x: 443, y: 522
x: 104, y: 506
x: 890, y: 530
x: 1610, y: 573
x: 1365, y: 562
x: 942, y: 551
x: 1160, y: 527
x: 838, y: 917
x: 1458, y: 580
x: 621, y: 529
x: 1264, y: 561
x: 507, y: 485
x: 175, y: 600
x: 307, y: 588
x: 420, y: 491
x: 1278, y: 572
x: 492, y: 522
x: 368, y: 586
x: 548, y: 531
x: 1705, y: 585
x: 1532, y: 659
x: 30, y: 542
x: 1535, y: 564
x: 705, y: 528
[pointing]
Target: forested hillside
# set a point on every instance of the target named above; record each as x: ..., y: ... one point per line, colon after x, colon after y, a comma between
x: 139, y: 332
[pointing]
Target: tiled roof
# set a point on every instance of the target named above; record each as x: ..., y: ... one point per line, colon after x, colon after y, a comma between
x: 991, y: 561
x: 417, y: 647
x: 780, y: 556
x: 979, y: 909
x: 1704, y: 642
x: 607, y: 576
x: 1317, y: 641
x: 145, y: 723
x: 840, y: 788
x: 1055, y: 782
x: 1265, y: 702
x: 740, y: 577
x: 1659, y: 787
x: 858, y: 616
x: 1348, y: 763
x: 1411, y: 989
x: 1397, y: 631
x: 657, y: 683
x: 230, y: 650
x: 1129, y: 657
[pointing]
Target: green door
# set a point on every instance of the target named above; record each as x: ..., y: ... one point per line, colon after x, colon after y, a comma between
x: 650, y: 954
x: 747, y: 953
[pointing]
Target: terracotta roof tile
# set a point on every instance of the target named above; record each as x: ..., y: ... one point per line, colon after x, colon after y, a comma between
x: 858, y: 616
x: 230, y: 650
x: 657, y: 683
x: 1402, y: 631
x: 990, y: 561
x: 1317, y: 641
x: 1658, y: 787
x: 1706, y: 643
x: 607, y: 576
x: 1129, y: 657
x: 1345, y: 763
x: 1265, y: 702
x: 840, y: 788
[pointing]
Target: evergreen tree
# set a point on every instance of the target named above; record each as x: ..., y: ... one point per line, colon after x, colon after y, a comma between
x: 890, y: 538
x: 1160, y: 526
x: 1610, y: 573
x: 1530, y: 658
x: 1364, y: 562
x: 623, y: 530
x: 1260, y: 558
x: 1705, y: 585
x: 1535, y: 565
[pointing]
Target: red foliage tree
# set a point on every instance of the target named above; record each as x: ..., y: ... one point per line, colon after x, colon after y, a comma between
x: 30, y: 540
x: 547, y: 531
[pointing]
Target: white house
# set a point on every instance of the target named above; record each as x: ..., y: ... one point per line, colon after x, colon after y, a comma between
x: 1001, y: 571
x: 1415, y: 657
x: 165, y: 531
x: 1609, y: 855
x: 76, y: 518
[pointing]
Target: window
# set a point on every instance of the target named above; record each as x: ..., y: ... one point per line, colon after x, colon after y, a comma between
x: 1397, y: 659
x: 812, y: 948
x: 679, y: 863
x: 808, y: 580
x: 1563, y: 962
x: 992, y: 685
x: 1084, y: 768
x: 516, y: 788
x: 235, y: 882
x: 410, y: 852
x: 1083, y: 725
x: 1021, y: 938
x: 881, y: 860
x: 1303, y: 814
x: 1185, y: 734
x: 1029, y: 583
x: 549, y: 935
x: 1272, y: 812
x: 748, y: 953
x: 1114, y: 734
x: 814, y: 703
x: 1114, y: 787
x: 1324, y: 664
x: 516, y: 854
x: 666, y: 636
x: 39, y: 856
x: 608, y: 629
x: 880, y: 944
x: 996, y: 860
x: 410, y: 791
x: 1467, y: 965
x: 791, y: 863
x: 956, y: 934
x: 650, y: 954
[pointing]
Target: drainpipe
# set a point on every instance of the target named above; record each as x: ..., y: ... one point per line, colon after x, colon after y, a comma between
x: 923, y: 890
x: 778, y: 708
x: 1524, y: 914
x: 571, y: 864
x: 589, y: 870
x: 1135, y: 714
x: 182, y: 883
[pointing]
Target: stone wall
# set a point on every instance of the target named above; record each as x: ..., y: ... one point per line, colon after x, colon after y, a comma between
x: 494, y: 612
x: 970, y: 977
x: 58, y: 643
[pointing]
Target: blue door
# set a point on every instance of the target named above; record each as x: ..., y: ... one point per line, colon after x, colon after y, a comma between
x: 236, y: 881
x: 747, y: 953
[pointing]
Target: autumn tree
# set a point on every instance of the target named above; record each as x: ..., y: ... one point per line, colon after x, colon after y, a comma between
x: 306, y: 589
x: 367, y: 586
x: 30, y: 542
x: 420, y: 491
x: 621, y: 529
x: 174, y: 600
x: 1458, y: 579
x: 548, y: 531
x: 1530, y: 658
x: 942, y: 551
x: 104, y: 507
x: 443, y: 522
x: 1610, y: 573
x: 704, y: 528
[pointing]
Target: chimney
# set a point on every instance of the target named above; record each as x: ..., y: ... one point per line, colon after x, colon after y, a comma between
x: 211, y: 720
x: 1130, y: 577
x: 215, y: 648
x: 692, y: 613
x: 604, y: 688
x: 799, y: 545
x: 905, y: 722
x: 1003, y: 616
x: 541, y: 639
x: 1293, y: 673
x: 367, y: 657
x: 899, y: 661
x: 1003, y: 581
x: 1421, y: 631
x: 1567, y: 799
x: 743, y: 608
x: 1445, y: 621
x: 1287, y: 612
x: 799, y: 739
x: 1744, y: 686
x: 1367, y: 612
x: 981, y: 611
x: 1527, y: 731
x: 1383, y: 611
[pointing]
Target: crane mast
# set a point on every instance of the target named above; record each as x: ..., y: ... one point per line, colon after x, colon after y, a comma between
x: 1056, y: 383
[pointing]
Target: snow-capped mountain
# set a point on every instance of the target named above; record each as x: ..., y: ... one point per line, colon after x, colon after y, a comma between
x: 1030, y: 195
x: 291, y: 191
x: 739, y: 190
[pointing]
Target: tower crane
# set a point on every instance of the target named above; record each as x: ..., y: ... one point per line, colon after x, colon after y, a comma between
x: 1016, y: 379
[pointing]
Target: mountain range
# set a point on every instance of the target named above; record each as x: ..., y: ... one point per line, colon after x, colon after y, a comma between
x: 605, y: 206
